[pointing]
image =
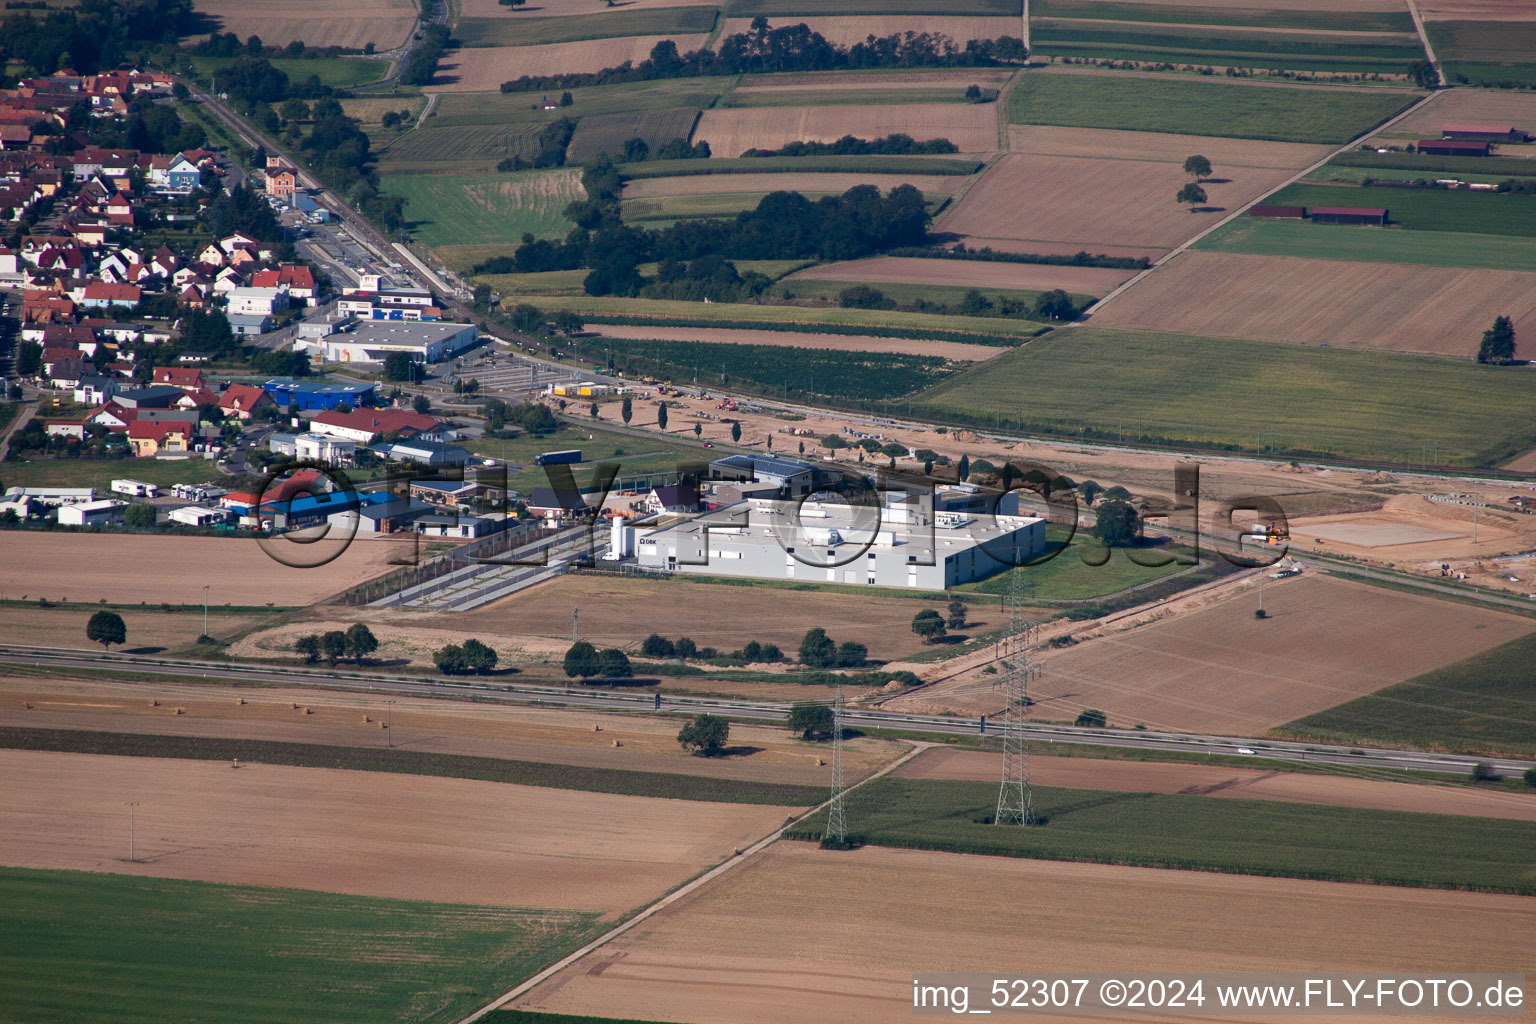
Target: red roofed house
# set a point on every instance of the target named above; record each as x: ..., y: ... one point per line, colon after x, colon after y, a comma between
x: 1450, y: 147
x: 1349, y: 215
x: 100, y: 296
x: 196, y: 397
x: 149, y: 439
x: 243, y: 399
x: 363, y: 424
x: 281, y: 182
x: 179, y: 377
x: 305, y: 481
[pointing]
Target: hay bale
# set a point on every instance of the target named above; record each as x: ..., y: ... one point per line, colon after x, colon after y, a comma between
x: 154, y: 703
x: 27, y: 706
x: 309, y: 711
x: 597, y: 728
x: 240, y: 702
x: 617, y: 743
x: 367, y: 719
x: 292, y: 706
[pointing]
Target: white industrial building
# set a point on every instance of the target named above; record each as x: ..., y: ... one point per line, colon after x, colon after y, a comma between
x: 92, y: 513
x: 52, y: 496
x: 371, y: 341
x: 899, y: 542
x: 197, y: 515
x: 135, y: 488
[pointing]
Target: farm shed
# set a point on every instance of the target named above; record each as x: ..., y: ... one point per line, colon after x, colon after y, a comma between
x: 1441, y: 147
x: 1281, y: 212
x: 1349, y: 215
x: 1483, y: 133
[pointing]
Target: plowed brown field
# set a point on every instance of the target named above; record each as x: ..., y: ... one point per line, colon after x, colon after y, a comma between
x: 730, y: 132
x: 483, y: 69
x: 1392, y: 306
x: 970, y: 274
x: 1218, y: 669
x: 1470, y: 106
x: 1083, y: 188
x: 130, y: 569
x: 748, y: 941
x: 1239, y: 783
x: 848, y: 30
x: 350, y: 23
x: 372, y: 834
x: 710, y: 184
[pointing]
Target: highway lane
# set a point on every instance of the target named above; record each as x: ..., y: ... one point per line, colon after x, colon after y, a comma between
x: 1361, y: 760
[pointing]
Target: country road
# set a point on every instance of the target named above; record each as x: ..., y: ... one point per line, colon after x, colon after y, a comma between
x: 1359, y: 758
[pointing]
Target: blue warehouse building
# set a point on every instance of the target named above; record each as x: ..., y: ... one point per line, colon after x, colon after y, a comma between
x: 320, y: 395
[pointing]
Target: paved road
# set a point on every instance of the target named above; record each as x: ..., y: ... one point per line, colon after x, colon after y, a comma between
x: 1358, y: 758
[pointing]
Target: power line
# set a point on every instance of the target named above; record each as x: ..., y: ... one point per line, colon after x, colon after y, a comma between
x: 837, y: 821
x: 1015, y: 799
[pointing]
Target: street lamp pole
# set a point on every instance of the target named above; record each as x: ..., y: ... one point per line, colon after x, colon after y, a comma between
x: 205, y: 609
x: 132, y: 853
x: 389, y: 721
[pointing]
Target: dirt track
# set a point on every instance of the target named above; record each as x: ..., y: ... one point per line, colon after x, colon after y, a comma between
x: 1335, y: 790
x: 371, y: 834
x: 755, y: 939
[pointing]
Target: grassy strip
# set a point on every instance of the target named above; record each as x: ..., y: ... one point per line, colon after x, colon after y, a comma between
x: 1176, y: 389
x: 519, y: 31
x: 917, y: 298
x: 1349, y: 21
x: 1512, y: 166
x: 412, y: 762
x: 819, y: 8
x: 1194, y: 107
x: 1426, y: 209
x: 1217, y: 44
x: 115, y: 949
x: 1481, y: 704
x: 1000, y: 331
x: 1273, y: 64
x: 1335, y: 242
x: 1247, y: 837
x: 801, y: 164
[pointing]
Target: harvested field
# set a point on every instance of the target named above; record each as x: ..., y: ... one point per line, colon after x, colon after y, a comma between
x: 1032, y: 277
x: 953, y: 350
x: 151, y: 629
x: 483, y: 69
x: 1391, y: 306
x: 1238, y: 783
x: 1111, y: 191
x: 564, y: 8
x: 709, y: 184
x: 1290, y: 5
x: 731, y: 132
x: 737, y: 945
x: 622, y: 612
x: 350, y: 23
x: 445, y: 840
x: 518, y: 30
x: 511, y: 732
x: 1470, y: 106
x: 1205, y: 664
x: 115, y: 567
x: 371, y: 109
x: 848, y: 30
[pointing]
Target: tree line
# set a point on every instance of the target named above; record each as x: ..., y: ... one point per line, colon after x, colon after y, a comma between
x: 762, y: 49
x: 94, y: 34
x: 896, y: 144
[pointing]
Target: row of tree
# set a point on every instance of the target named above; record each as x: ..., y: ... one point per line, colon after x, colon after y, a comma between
x: 356, y: 642
x: 753, y: 652
x: 585, y: 661
x: 897, y: 144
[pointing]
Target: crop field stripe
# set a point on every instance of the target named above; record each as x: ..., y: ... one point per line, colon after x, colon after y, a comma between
x: 1264, y: 237
x: 1255, y: 59
x: 1223, y: 393
x: 1218, y: 41
x: 115, y: 948
x: 1247, y: 837
x: 1426, y: 209
x: 519, y: 31
x: 1481, y: 704
x: 1200, y: 108
x: 409, y: 762
x: 1344, y: 21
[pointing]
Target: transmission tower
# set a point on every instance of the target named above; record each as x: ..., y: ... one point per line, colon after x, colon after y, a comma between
x: 837, y: 822
x: 1015, y: 800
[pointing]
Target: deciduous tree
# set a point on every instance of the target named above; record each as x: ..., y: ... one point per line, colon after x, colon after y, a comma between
x: 706, y: 735
x: 1198, y: 167
x: 929, y: 625
x: 106, y: 628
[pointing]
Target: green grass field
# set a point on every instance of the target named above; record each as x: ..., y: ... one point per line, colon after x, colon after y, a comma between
x: 662, y: 311
x: 1104, y: 383
x: 834, y: 97
x: 1245, y: 837
x: 443, y: 209
x: 597, y: 134
x: 1481, y: 704
x: 1483, y: 42
x: 830, y: 373
x: 905, y: 295
x: 435, y: 148
x: 115, y: 948
x: 1482, y: 213
x: 1066, y: 577
x: 520, y: 30
x: 1268, y: 48
x: 632, y: 98
x: 1342, y: 21
x: 666, y: 785
x: 1263, y: 63
x: 1491, y: 76
x: 645, y: 454
x: 337, y: 72
x: 1375, y: 245
x: 100, y: 473
x: 1199, y: 108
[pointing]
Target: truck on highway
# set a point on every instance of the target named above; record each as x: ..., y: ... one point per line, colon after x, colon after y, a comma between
x: 558, y: 458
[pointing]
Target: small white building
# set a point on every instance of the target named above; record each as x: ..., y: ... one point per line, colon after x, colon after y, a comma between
x: 92, y: 513
x: 257, y: 301
x: 197, y: 515
x: 332, y: 451
x: 52, y: 496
